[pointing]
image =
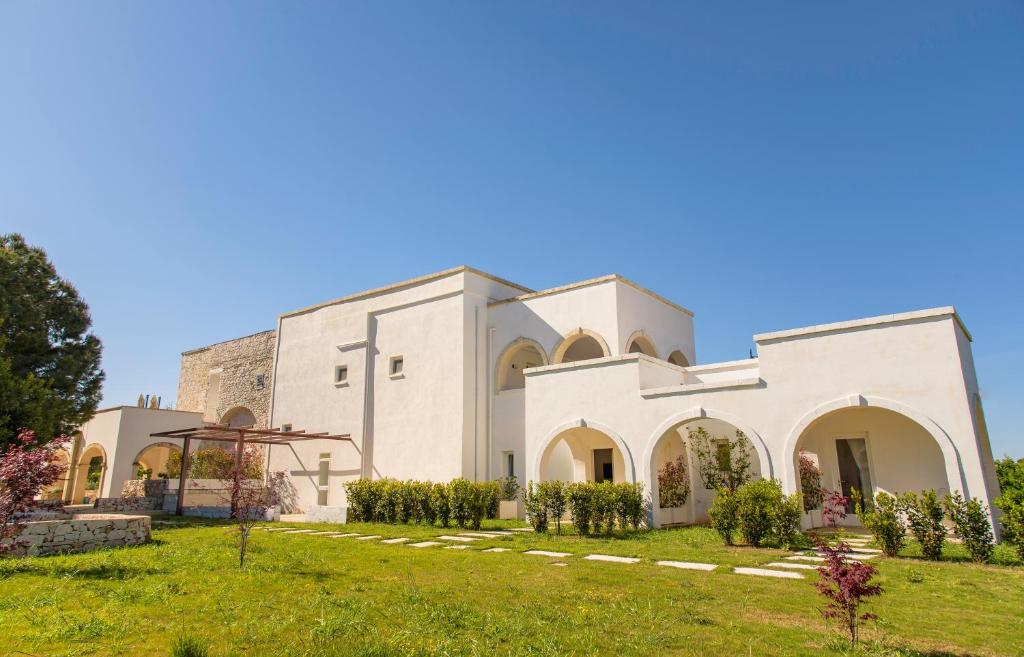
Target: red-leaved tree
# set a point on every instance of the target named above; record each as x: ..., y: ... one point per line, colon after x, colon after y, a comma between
x: 833, y: 506
x: 845, y: 583
x: 25, y: 469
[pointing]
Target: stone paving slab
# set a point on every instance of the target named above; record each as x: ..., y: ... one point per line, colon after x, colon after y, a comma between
x: 321, y: 533
x: 456, y: 547
x: 613, y: 559
x: 803, y: 557
x: 461, y: 539
x: 483, y: 534
x: 392, y: 541
x: 559, y: 563
x: 521, y: 529
x: 497, y: 550
x: 688, y: 565
x: 423, y: 544
x: 345, y: 535
x: 764, y: 572
x: 797, y: 566
x: 368, y: 538
x: 848, y: 555
x: 278, y: 529
x: 299, y: 531
x: 545, y: 553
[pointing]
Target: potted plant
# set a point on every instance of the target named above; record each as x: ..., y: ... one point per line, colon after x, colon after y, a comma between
x: 508, y: 508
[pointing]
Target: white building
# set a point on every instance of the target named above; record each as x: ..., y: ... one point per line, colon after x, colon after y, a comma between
x: 463, y: 374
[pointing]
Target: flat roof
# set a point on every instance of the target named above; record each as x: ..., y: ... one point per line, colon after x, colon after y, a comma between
x: 589, y: 282
x: 878, y: 320
x: 419, y: 280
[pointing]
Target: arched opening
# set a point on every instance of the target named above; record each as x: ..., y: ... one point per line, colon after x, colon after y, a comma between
x: 516, y: 357
x: 56, y: 490
x: 582, y: 344
x: 867, y: 448
x: 152, y: 462
x: 641, y: 343
x: 678, y: 358
x: 690, y: 459
x: 584, y: 453
x: 239, y: 416
x: 90, y: 475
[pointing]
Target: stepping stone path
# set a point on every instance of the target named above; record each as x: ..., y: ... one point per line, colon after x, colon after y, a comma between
x: 483, y: 534
x: 688, y: 565
x: 545, y: 553
x: 460, y: 539
x: 764, y: 572
x: 797, y: 566
x: 613, y: 559
x: 423, y: 544
x: 456, y: 547
x: 345, y: 535
x: 367, y: 538
x: 496, y: 550
x: 559, y: 563
x: 299, y: 531
x: 803, y: 557
x: 392, y: 541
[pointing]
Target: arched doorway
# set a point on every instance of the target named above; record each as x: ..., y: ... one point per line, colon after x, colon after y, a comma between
x: 584, y: 451
x: 581, y: 344
x: 678, y: 358
x: 90, y: 475
x: 867, y: 448
x: 516, y: 357
x: 152, y: 461
x: 691, y: 454
x: 57, y: 489
x: 641, y: 343
x: 239, y: 416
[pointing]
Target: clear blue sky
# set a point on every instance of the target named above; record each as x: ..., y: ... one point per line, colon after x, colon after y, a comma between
x: 197, y: 168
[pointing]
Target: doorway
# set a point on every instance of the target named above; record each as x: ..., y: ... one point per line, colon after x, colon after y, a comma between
x: 603, y: 465
x: 854, y: 470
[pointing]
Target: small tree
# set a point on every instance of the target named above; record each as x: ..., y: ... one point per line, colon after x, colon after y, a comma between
x: 580, y: 498
x: 673, y: 483
x: 833, y: 507
x: 810, y: 483
x: 536, y: 505
x: 970, y: 523
x: 845, y: 583
x: 25, y: 469
x: 885, y: 521
x: 924, y: 514
x: 722, y: 463
x: 249, y: 501
x: 724, y: 514
x: 509, y: 488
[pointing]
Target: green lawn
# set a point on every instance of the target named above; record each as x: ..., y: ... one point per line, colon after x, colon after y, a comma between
x: 313, y: 595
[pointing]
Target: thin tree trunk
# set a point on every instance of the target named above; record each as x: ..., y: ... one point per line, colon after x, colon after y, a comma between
x: 241, y: 552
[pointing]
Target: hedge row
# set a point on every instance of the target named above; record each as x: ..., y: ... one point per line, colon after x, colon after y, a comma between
x: 460, y: 501
x: 595, y: 508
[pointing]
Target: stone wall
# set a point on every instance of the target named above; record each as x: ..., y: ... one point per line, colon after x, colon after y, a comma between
x: 83, y: 532
x: 242, y: 362
x: 128, y: 504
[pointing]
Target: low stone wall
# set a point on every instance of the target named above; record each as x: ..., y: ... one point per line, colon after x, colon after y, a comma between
x: 43, y: 510
x: 83, y: 532
x: 127, y: 504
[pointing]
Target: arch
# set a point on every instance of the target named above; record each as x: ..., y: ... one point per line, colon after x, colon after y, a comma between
x: 56, y: 490
x: 239, y: 416
x: 155, y: 456
x: 678, y: 358
x: 85, y: 467
x: 950, y: 455
x: 640, y: 342
x: 514, y: 358
x: 555, y: 435
x: 584, y: 341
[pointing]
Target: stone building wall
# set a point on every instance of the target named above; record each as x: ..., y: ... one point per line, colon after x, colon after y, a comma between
x: 242, y: 369
x: 79, y: 534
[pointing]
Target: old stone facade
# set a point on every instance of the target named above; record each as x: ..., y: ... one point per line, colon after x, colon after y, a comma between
x: 81, y: 533
x: 226, y: 379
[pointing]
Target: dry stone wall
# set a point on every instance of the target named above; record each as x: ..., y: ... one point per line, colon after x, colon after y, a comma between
x: 246, y: 366
x: 81, y: 533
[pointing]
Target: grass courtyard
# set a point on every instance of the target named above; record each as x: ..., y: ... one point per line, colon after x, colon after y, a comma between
x: 314, y: 595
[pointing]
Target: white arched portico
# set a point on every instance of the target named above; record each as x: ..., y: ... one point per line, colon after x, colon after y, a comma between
x: 950, y: 456
x: 554, y: 437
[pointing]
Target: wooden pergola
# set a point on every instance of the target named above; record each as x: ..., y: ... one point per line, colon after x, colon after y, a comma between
x: 240, y: 437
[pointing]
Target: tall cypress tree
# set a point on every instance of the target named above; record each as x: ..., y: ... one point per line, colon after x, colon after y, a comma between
x: 50, y: 375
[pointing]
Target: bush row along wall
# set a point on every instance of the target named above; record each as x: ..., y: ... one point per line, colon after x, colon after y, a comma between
x: 79, y: 534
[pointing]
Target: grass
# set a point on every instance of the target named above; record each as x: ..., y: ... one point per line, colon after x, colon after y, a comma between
x: 316, y: 596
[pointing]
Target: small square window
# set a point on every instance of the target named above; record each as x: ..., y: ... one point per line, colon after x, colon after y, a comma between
x: 286, y: 427
x: 397, y: 366
x: 261, y: 381
x: 341, y: 374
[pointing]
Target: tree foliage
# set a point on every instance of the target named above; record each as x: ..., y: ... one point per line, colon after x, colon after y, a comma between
x: 722, y: 463
x: 26, y: 468
x: 50, y: 373
x: 845, y: 583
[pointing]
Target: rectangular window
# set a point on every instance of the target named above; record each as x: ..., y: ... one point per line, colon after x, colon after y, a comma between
x: 341, y: 374
x: 397, y: 366
x: 286, y: 427
x: 324, y: 479
x: 261, y: 381
x: 510, y: 464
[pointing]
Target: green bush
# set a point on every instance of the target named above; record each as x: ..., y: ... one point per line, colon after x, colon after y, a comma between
x: 605, y: 506
x: 631, y: 505
x: 555, y: 500
x: 494, y: 496
x: 757, y: 503
x: 580, y: 499
x: 440, y: 504
x: 970, y: 523
x: 1011, y: 501
x: 461, y: 498
x: 924, y: 515
x: 1013, y: 526
x: 786, y: 525
x: 724, y: 514
x: 536, y: 505
x: 362, y: 499
x: 389, y: 499
x: 509, y: 488
x: 885, y: 522
x: 427, y: 512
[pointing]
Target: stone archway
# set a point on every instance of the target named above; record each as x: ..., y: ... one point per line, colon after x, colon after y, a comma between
x: 239, y: 416
x: 520, y: 354
x: 580, y: 344
x: 155, y: 458
x: 641, y: 343
x: 90, y: 474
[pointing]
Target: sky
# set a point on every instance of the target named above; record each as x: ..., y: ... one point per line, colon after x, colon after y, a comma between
x: 196, y: 169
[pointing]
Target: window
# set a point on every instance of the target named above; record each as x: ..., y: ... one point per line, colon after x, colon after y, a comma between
x: 341, y: 374
x: 261, y: 381
x: 286, y: 427
x: 510, y: 464
x: 323, y: 479
x: 397, y: 366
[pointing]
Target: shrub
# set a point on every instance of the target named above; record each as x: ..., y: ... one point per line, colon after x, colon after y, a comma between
x: 408, y: 503
x: 480, y: 503
x: 493, y: 491
x: 362, y: 499
x: 810, y: 483
x: 722, y: 463
x: 509, y: 488
x: 189, y: 646
x: 786, y: 525
x: 424, y: 491
x: 388, y: 501
x: 970, y: 523
x: 757, y: 505
x: 26, y: 468
x: 723, y: 514
x: 605, y: 503
x: 461, y: 499
x: 1013, y: 526
x: 673, y: 484
x: 632, y: 506
x: 924, y: 515
x: 1011, y: 501
x: 845, y: 583
x: 580, y: 498
x: 833, y: 507
x: 885, y: 521
x: 440, y: 503
x: 555, y: 499
x: 535, y: 503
